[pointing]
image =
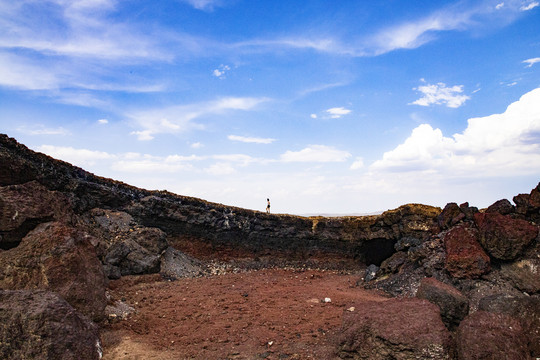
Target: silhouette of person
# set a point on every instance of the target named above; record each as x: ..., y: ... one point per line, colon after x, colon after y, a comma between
x: 268, y: 206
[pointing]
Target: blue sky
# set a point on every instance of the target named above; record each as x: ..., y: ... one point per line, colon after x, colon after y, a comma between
x: 322, y: 106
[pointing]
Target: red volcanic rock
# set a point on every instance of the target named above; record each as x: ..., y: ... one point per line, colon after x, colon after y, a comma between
x: 465, y: 258
x: 503, y: 207
x: 529, y: 204
x: 61, y: 259
x: 40, y: 325
x: 484, y: 335
x: 453, y: 304
x: 504, y: 237
x: 397, y: 328
x: 24, y: 206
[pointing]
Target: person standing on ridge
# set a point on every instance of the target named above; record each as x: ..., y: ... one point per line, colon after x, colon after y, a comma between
x: 268, y: 206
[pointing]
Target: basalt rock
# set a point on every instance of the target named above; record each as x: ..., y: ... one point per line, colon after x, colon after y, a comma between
x: 503, y: 207
x: 484, y: 335
x: 504, y: 237
x: 24, y: 206
x: 41, y: 325
x: 526, y: 309
x: 58, y: 258
x: 394, y: 329
x: 453, y: 304
x: 528, y: 205
x: 524, y: 275
x: 465, y: 258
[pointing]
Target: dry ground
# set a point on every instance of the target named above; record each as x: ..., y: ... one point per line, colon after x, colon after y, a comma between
x: 265, y: 314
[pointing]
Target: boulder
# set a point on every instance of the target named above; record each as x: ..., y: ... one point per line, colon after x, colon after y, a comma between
x: 26, y: 205
x: 523, y: 275
x: 465, y: 258
x: 503, y: 207
x: 453, y: 304
x: 58, y: 258
x: 504, y: 237
x: 484, y: 335
x: 175, y: 265
x: 394, y: 262
x: 528, y: 205
x: 524, y: 308
x: 394, y: 329
x: 371, y: 272
x: 40, y: 325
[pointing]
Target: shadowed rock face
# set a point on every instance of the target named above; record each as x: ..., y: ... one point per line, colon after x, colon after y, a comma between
x: 41, y: 325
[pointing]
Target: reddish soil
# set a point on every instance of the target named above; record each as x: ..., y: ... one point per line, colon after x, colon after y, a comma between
x: 265, y: 314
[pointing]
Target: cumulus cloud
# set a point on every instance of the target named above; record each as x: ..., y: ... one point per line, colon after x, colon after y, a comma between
x: 316, y: 153
x: 440, y: 94
x: 496, y: 145
x: 531, y: 62
x: 357, y: 164
x: 337, y: 112
x: 248, y: 139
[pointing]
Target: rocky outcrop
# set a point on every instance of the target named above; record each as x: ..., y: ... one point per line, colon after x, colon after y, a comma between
x: 396, y: 329
x: 58, y: 258
x: 40, y: 325
x: 484, y: 335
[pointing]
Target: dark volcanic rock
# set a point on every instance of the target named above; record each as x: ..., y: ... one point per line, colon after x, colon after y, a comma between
x: 524, y: 308
x: 59, y: 258
x: 24, y: 206
x: 503, y: 207
x: 394, y: 262
x: 42, y: 326
x: 484, y: 335
x: 465, y: 258
x: 523, y: 275
x: 528, y: 205
x: 453, y: 304
x: 394, y: 329
x: 175, y: 265
x: 504, y: 237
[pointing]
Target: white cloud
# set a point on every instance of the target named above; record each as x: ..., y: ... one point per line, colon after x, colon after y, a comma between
x: 531, y: 62
x: 337, y: 112
x: 103, y: 121
x: 316, y: 153
x: 78, y: 157
x: 357, y: 164
x: 40, y: 129
x: 196, y: 145
x: 181, y: 118
x: 529, y: 6
x: 220, y: 169
x: 499, y: 6
x: 220, y: 71
x: 248, y: 139
x: 313, y: 116
x: 205, y: 5
x: 497, y: 145
x: 441, y: 94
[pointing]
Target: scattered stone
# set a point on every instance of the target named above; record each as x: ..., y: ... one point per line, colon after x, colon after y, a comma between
x: 484, y: 335
x: 453, y: 304
x: 351, y: 309
x: 41, y: 325
x: 118, y: 310
x: 175, y: 265
x: 371, y: 272
x: 327, y: 300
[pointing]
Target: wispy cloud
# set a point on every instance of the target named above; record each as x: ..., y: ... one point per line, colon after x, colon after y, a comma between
x: 221, y: 71
x: 529, y: 6
x: 531, y: 62
x: 248, y: 139
x: 39, y: 129
x: 205, y: 5
x: 181, y: 118
x: 316, y: 153
x: 440, y: 94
